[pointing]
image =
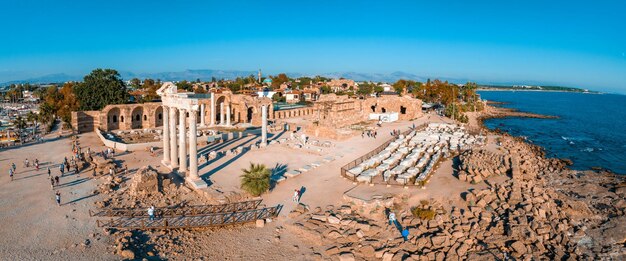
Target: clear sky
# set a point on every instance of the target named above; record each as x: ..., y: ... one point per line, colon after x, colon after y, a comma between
x: 574, y: 43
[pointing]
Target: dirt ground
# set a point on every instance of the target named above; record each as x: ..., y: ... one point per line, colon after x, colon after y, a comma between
x: 35, y: 228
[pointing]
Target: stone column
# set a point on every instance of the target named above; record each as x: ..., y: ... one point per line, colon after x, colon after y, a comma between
x: 202, y: 115
x: 166, y: 135
x: 263, y: 125
x: 182, y: 137
x: 173, y: 148
x: 222, y: 122
x: 228, y: 114
x: 212, y: 109
x: 193, y: 149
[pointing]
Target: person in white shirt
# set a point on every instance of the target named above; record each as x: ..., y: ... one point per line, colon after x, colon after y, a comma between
x: 151, y: 212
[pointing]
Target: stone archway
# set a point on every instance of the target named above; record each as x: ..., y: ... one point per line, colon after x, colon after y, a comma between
x: 249, y: 114
x: 113, y: 119
x: 218, y: 111
x: 158, y: 117
x: 136, y: 119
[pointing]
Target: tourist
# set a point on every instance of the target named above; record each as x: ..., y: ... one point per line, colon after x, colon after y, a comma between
x: 62, y: 169
x: 296, y: 196
x: 56, y: 180
x: 36, y: 165
x: 76, y: 170
x: 26, y: 163
x: 49, y: 171
x: 13, y: 166
x: 11, y: 174
x: 58, y: 198
x: 151, y: 212
x: 405, y: 234
x: 392, y: 218
x: 67, y: 166
x: 52, y: 183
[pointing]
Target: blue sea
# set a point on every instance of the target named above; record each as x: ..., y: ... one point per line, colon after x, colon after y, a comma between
x: 590, y: 130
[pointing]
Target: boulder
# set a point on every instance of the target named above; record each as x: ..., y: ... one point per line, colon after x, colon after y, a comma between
x: 346, y: 256
x: 519, y: 247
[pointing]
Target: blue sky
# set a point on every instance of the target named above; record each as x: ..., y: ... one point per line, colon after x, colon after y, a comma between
x: 574, y: 43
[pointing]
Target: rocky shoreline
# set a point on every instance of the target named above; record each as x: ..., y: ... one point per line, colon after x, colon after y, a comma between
x: 501, y: 112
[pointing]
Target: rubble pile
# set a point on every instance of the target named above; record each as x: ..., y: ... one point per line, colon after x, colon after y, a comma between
x: 478, y: 164
x: 145, y: 181
x: 544, y: 211
x: 102, y: 165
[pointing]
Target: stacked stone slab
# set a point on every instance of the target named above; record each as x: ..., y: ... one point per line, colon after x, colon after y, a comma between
x: 477, y: 164
x: 413, y: 157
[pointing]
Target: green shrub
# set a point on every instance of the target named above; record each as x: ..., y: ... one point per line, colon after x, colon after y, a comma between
x: 256, y: 179
x: 422, y: 213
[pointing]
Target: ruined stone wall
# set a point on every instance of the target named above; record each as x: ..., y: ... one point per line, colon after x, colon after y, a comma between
x: 407, y: 108
x: 119, y: 117
x: 85, y: 121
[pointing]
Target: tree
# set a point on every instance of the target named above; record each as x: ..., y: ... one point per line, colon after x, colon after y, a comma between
x: 325, y: 89
x: 278, y: 80
x: 256, y: 179
x: 185, y: 85
x: 100, y: 88
x: 365, y: 88
x: 20, y: 124
x: 135, y: 83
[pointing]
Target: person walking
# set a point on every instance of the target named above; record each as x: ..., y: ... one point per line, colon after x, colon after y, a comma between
x: 56, y: 180
x: 13, y: 165
x: 11, y: 174
x: 392, y: 218
x: 58, y: 198
x: 67, y: 166
x: 296, y: 195
x: 151, y: 212
x: 76, y: 171
x: 52, y: 183
x: 49, y: 171
x: 61, y: 169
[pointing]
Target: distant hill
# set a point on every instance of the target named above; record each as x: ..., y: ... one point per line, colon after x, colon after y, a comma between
x: 50, y: 78
x: 207, y: 74
x: 531, y: 88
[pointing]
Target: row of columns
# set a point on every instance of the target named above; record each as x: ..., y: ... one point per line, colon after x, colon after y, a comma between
x: 175, y: 153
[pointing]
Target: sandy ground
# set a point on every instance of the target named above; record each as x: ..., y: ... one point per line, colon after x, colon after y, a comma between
x: 35, y: 228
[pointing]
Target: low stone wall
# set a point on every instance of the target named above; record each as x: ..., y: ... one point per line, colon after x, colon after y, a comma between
x: 127, y: 147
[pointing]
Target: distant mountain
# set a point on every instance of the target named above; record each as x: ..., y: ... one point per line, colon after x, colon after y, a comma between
x: 375, y: 77
x: 190, y: 75
x: 49, y: 78
x: 206, y: 75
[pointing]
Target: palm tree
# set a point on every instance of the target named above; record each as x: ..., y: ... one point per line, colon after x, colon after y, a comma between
x: 256, y: 179
x: 32, y: 117
x: 20, y: 124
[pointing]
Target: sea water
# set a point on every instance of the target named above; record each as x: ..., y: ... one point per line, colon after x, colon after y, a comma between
x: 590, y: 130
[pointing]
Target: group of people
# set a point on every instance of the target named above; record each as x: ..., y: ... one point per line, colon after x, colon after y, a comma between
x: 395, y: 132
x: 369, y: 133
